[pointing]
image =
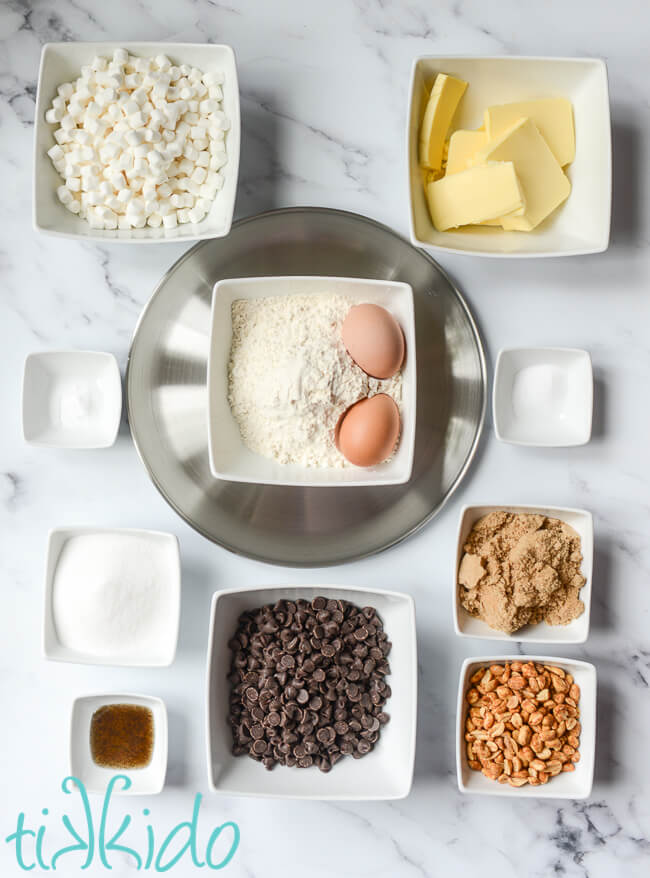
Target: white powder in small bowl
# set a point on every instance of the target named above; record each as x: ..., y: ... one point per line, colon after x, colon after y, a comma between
x: 114, y: 596
x: 290, y: 377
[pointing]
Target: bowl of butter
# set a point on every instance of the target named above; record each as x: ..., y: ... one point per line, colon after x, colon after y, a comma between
x: 509, y: 156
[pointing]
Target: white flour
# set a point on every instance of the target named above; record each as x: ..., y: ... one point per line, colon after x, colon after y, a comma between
x: 290, y: 377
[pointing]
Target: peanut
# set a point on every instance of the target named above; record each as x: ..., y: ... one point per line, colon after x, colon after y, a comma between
x: 522, y: 723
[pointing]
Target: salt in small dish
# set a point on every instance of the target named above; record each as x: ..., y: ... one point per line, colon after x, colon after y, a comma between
x: 71, y: 399
x: 576, y: 784
x: 543, y: 396
x: 148, y: 780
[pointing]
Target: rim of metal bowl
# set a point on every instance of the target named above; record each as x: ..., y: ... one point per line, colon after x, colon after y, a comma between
x: 471, y: 454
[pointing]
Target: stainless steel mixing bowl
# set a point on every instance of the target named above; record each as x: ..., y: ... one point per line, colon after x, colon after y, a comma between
x: 302, y: 527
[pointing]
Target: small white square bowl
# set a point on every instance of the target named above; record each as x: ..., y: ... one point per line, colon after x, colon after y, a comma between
x: 230, y: 459
x: 575, y: 399
x: 53, y: 380
x: 166, y: 548
x: 385, y: 773
x: 62, y: 62
x: 579, y: 226
x: 568, y: 785
x: 144, y: 781
x: 575, y: 632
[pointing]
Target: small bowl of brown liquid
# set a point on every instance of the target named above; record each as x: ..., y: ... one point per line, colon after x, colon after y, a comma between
x: 119, y: 734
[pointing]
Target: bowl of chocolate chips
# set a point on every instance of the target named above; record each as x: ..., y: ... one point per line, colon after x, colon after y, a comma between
x: 311, y: 693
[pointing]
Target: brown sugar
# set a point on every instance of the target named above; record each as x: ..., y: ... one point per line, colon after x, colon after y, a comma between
x: 520, y: 569
x: 121, y: 736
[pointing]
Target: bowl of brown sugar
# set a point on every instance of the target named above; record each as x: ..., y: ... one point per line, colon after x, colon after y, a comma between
x: 523, y: 573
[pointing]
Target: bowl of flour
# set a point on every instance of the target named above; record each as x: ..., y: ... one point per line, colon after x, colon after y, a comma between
x: 279, y: 379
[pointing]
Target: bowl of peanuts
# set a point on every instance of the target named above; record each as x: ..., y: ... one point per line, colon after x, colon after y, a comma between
x: 526, y: 726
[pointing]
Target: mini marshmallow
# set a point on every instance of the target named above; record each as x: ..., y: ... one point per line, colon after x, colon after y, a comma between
x: 90, y: 183
x: 114, y: 204
x: 64, y: 194
x: 213, y: 77
x: 96, y: 222
x: 196, y: 214
x: 55, y: 153
x: 65, y: 90
x: 134, y: 138
x: 149, y: 142
x: 136, y: 120
x: 209, y: 106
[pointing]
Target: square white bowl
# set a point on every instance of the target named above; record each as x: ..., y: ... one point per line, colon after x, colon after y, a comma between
x: 575, y: 632
x: 230, y: 459
x: 579, y: 226
x: 575, y: 400
x: 144, y: 781
x: 56, y: 381
x: 567, y: 785
x: 62, y: 62
x: 166, y: 547
x: 385, y: 773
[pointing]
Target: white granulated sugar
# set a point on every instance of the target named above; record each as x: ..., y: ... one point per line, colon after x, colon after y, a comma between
x: 290, y: 377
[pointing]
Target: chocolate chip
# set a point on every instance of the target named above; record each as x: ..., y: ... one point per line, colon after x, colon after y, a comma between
x: 307, y: 682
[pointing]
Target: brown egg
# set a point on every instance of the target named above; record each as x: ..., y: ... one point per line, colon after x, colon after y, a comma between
x: 374, y: 340
x: 366, y: 434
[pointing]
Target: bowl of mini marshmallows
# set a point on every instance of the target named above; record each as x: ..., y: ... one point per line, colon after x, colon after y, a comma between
x: 136, y: 142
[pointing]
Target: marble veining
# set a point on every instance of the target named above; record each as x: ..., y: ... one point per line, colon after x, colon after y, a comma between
x: 323, y: 90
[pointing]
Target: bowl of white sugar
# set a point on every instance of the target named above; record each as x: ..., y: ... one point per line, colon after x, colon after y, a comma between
x: 280, y: 381
x: 112, y: 597
x: 136, y: 142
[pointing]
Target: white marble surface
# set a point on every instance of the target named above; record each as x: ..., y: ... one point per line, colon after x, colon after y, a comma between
x: 323, y: 90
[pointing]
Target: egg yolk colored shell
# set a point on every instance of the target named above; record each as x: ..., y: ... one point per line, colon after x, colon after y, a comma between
x: 368, y: 432
x: 374, y: 340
